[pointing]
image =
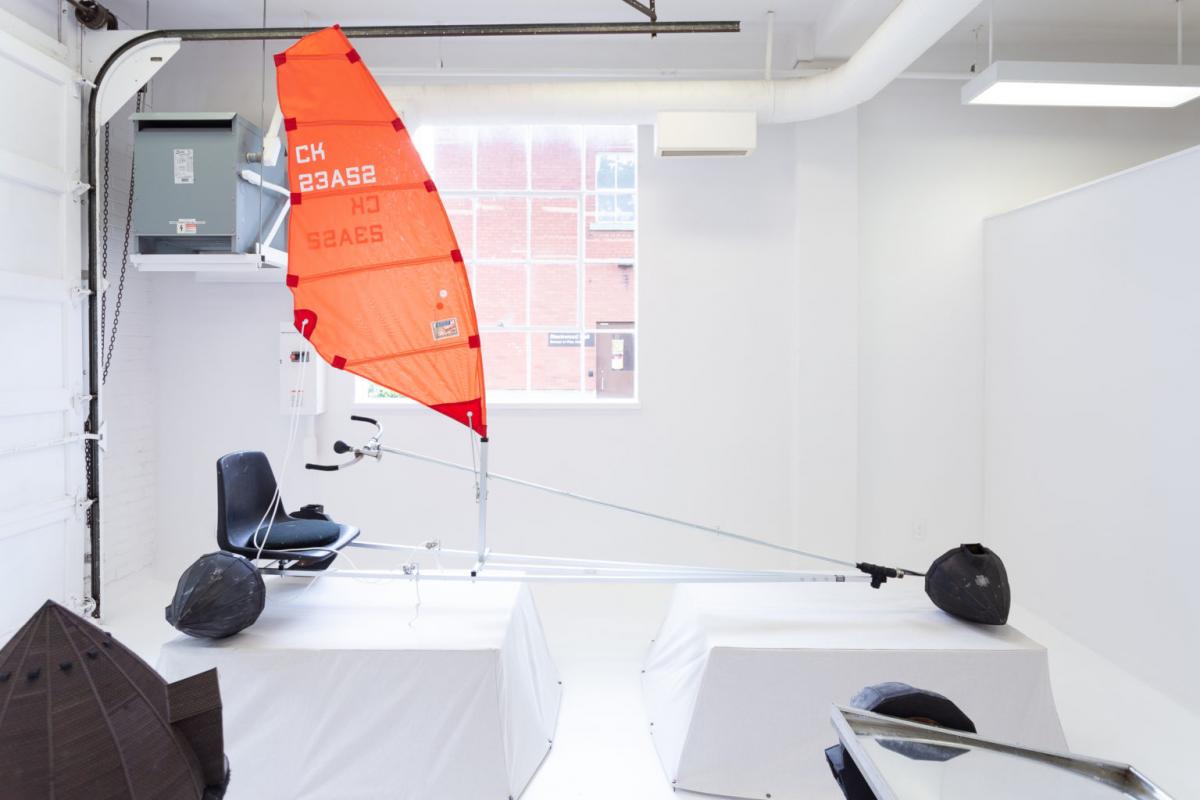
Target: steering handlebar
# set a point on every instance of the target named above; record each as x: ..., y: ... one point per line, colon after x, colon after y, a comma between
x: 371, y: 448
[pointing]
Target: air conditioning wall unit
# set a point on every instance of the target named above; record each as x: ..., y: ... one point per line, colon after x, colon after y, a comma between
x: 705, y: 133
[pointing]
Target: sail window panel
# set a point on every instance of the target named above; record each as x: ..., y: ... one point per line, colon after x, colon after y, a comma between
x: 335, y: 157
x: 502, y: 227
x: 554, y: 295
x: 502, y: 157
x: 501, y: 295
x: 554, y: 227
x: 506, y: 360
x: 335, y: 232
x: 557, y: 158
x: 302, y: 83
x: 610, y: 295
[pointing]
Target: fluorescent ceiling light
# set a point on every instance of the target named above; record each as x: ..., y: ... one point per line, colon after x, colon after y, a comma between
x: 1060, y: 83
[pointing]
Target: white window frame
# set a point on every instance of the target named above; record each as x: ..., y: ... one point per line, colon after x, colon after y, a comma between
x: 528, y: 397
x: 615, y: 222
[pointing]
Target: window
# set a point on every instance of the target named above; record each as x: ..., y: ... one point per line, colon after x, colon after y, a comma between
x: 615, y: 186
x: 546, y: 218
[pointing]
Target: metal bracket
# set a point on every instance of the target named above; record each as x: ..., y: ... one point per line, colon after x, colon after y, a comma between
x: 101, y: 437
x: 83, y: 503
x: 648, y: 10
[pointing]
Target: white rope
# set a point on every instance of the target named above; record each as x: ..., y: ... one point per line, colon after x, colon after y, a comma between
x: 416, y: 571
x: 293, y: 427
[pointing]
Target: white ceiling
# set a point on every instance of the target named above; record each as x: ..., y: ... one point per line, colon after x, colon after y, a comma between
x: 835, y: 27
x: 213, y: 13
x: 1072, y: 20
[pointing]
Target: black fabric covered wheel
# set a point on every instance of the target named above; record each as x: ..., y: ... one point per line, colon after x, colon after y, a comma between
x: 899, y: 700
x: 217, y: 596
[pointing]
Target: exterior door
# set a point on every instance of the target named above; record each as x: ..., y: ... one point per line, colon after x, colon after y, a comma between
x: 614, y: 364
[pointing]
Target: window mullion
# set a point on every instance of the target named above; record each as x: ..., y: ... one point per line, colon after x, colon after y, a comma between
x: 580, y: 246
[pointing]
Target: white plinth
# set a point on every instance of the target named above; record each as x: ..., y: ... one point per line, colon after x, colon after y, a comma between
x: 739, y: 681
x: 332, y: 694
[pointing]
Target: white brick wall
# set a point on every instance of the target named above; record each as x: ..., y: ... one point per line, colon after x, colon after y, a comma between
x: 130, y: 517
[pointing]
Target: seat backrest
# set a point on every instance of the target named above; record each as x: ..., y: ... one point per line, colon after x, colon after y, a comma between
x: 245, y: 486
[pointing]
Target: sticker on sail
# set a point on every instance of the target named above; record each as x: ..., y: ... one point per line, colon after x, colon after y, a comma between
x: 445, y: 329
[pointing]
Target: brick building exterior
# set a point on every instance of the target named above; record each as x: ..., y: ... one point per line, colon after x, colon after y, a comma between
x: 550, y: 250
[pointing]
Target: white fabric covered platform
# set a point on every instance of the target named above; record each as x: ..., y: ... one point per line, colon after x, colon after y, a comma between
x: 739, y: 681
x: 331, y: 694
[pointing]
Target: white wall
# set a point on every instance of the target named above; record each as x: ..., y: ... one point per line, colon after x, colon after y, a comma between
x: 130, y: 393
x: 1093, y: 437
x: 833, y: 282
x: 929, y: 171
x: 825, y: 468
x: 712, y: 439
x: 888, y: 203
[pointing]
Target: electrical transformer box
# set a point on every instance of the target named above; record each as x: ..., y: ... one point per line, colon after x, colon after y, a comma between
x: 190, y: 194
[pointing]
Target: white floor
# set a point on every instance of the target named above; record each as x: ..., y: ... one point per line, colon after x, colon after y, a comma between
x: 603, y: 748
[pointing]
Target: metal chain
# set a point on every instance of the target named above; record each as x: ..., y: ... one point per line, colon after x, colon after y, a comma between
x: 104, y: 239
x: 89, y: 465
x: 112, y: 337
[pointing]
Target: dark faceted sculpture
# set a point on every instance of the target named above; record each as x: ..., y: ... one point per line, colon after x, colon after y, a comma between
x: 83, y: 718
x: 970, y: 582
x: 217, y: 596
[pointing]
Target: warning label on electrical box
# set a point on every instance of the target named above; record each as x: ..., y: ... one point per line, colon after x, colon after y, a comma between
x: 187, y: 225
x: 185, y: 171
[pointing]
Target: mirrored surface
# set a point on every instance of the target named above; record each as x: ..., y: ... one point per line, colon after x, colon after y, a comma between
x: 919, y: 770
x: 905, y: 760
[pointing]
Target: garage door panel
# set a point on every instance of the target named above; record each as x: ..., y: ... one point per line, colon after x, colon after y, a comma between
x: 38, y: 474
x: 25, y: 209
x: 41, y: 552
x: 31, y: 329
x: 32, y: 92
x: 42, y: 527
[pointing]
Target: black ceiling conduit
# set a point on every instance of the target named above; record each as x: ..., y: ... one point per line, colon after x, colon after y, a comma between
x: 263, y: 34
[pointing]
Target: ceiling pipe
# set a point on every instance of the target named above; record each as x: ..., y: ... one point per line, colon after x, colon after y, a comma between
x: 910, y: 30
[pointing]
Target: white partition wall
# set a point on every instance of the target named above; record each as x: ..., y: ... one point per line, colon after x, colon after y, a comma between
x: 1092, y: 435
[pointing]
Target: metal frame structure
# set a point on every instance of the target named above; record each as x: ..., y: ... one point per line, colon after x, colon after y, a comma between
x: 851, y: 723
x: 550, y: 569
x: 133, y: 45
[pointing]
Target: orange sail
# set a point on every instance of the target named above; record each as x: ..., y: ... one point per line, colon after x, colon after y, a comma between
x: 377, y: 277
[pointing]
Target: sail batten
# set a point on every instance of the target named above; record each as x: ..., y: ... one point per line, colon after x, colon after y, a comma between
x: 378, y: 279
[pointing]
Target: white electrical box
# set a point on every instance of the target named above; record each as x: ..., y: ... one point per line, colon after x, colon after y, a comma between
x: 301, y: 374
x: 705, y: 133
